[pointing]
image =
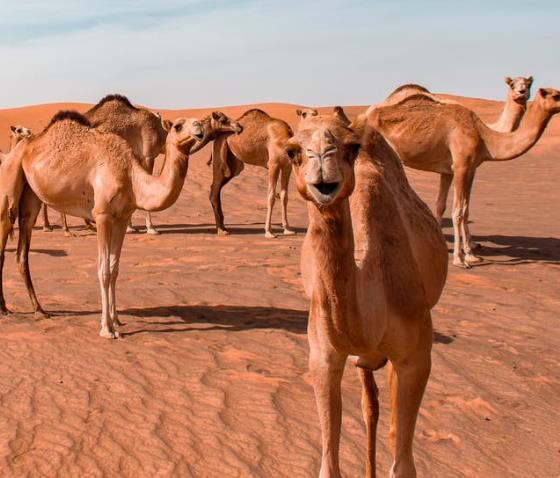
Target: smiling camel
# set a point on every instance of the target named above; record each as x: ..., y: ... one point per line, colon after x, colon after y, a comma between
x: 451, y: 140
x: 374, y: 263
x: 88, y: 173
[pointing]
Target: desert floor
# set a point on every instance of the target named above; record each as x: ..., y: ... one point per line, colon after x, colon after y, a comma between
x: 210, y: 378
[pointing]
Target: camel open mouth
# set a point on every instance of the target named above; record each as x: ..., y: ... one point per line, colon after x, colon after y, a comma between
x: 324, y: 192
x: 198, y: 136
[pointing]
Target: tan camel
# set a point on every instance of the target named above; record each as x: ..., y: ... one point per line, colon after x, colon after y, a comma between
x: 17, y: 133
x: 89, y: 173
x: 519, y: 91
x: 141, y: 129
x: 306, y: 113
x: 261, y: 143
x: 451, y: 140
x: 374, y: 263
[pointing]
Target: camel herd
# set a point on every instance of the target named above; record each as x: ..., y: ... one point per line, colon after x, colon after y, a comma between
x: 374, y: 260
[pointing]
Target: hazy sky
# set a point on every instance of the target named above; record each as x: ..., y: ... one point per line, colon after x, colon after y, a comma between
x: 173, y: 54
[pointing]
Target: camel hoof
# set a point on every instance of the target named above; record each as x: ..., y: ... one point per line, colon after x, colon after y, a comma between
x: 41, y: 314
x: 269, y: 235
x: 289, y: 232
x: 461, y: 263
x: 472, y: 259
x: 131, y: 230
x: 108, y: 334
x: 47, y: 229
x: 223, y: 232
x: 152, y: 231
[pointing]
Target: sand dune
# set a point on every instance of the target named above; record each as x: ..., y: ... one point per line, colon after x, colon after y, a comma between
x: 210, y: 379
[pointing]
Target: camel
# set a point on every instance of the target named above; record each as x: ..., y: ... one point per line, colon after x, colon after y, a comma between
x: 86, y: 172
x: 17, y: 133
x: 519, y: 91
x: 141, y: 128
x: 306, y: 113
x: 261, y: 143
x: 451, y: 140
x: 374, y: 263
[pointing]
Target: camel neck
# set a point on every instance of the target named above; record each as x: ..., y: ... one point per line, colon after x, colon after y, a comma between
x: 13, y: 142
x: 506, y: 146
x: 332, y: 245
x: 155, y: 193
x: 511, y: 116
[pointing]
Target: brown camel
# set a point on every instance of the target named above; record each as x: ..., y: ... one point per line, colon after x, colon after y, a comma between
x: 306, y: 113
x: 17, y: 133
x: 451, y: 140
x: 89, y: 173
x: 374, y: 263
x: 261, y: 143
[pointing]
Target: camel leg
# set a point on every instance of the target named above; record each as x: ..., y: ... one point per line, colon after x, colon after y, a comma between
x: 468, y: 244
x: 284, y: 182
x: 5, y: 229
x: 326, y: 368
x: 459, y: 199
x: 46, y: 224
x: 445, y: 181
x: 64, y: 225
x: 130, y: 229
x: 29, y: 208
x: 392, y: 383
x: 219, y: 180
x: 411, y: 379
x: 105, y: 230
x: 117, y: 239
x: 90, y: 225
x: 273, y: 174
x: 150, y: 229
x: 370, y: 411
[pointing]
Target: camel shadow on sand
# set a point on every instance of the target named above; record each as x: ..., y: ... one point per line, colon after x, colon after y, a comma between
x: 496, y: 249
x: 234, y: 229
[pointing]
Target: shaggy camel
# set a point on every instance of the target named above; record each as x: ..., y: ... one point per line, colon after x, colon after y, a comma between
x: 451, y: 140
x: 374, y: 263
x: 261, y: 143
x: 89, y: 173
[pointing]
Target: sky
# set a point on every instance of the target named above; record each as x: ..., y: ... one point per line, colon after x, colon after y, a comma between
x: 211, y: 53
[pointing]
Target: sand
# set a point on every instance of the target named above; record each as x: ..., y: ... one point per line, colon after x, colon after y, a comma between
x: 210, y: 378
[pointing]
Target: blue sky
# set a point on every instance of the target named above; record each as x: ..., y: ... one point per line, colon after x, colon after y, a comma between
x: 193, y: 53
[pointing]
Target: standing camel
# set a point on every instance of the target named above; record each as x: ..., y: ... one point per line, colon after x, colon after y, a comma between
x: 89, y: 173
x: 17, y: 133
x: 451, y: 140
x: 261, y: 143
x: 374, y: 263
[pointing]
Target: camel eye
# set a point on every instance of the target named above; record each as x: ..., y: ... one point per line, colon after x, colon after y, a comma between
x: 178, y: 127
x: 556, y: 97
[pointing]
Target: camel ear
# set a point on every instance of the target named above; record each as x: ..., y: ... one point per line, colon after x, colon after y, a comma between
x: 166, y: 124
x: 292, y: 150
x: 508, y: 80
x: 299, y: 112
x: 544, y: 92
x: 339, y: 113
x: 13, y: 128
x: 530, y: 80
x: 217, y: 115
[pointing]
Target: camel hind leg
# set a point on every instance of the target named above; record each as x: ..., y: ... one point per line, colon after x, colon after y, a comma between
x: 117, y: 239
x: 273, y: 174
x: 5, y: 230
x: 29, y: 208
x: 445, y: 181
x: 370, y: 411
x: 46, y: 224
x: 284, y: 183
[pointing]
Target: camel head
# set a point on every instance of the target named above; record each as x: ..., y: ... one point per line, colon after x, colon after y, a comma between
x: 221, y: 123
x: 306, y: 113
x: 184, y: 133
x: 19, y: 132
x: 519, y: 88
x: 322, y: 153
x: 549, y: 99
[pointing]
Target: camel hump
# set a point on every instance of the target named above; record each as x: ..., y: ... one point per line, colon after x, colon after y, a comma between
x: 419, y: 97
x: 254, y: 112
x: 69, y: 115
x: 123, y: 100
x: 279, y: 131
x: 409, y: 86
